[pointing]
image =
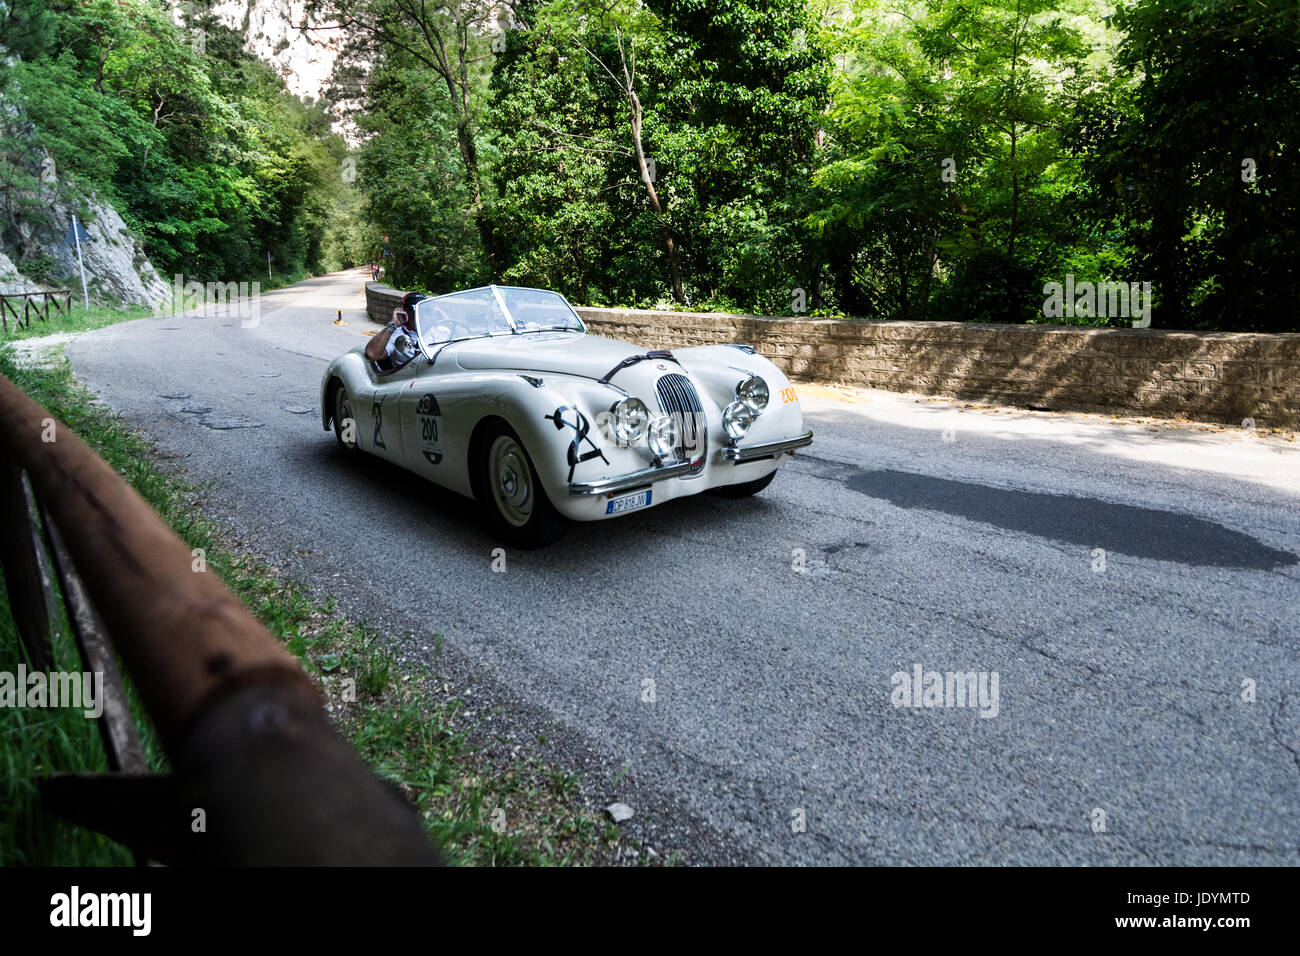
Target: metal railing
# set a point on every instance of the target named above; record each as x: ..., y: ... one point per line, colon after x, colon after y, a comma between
x: 60, y: 299
x: 241, y: 723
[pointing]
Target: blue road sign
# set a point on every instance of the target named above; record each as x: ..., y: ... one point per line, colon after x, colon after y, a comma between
x: 76, y: 231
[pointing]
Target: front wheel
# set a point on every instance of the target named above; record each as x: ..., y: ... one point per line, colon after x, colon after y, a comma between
x: 345, y: 425
x: 745, y: 488
x: 517, y: 506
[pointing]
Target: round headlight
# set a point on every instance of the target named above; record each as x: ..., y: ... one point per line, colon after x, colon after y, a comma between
x: 662, y: 437
x: 753, y: 392
x: 629, y: 419
x: 736, y: 419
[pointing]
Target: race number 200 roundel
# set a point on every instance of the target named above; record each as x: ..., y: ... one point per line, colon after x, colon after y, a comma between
x: 430, y: 417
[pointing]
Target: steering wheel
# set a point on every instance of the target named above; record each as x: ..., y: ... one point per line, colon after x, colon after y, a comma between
x: 452, y: 324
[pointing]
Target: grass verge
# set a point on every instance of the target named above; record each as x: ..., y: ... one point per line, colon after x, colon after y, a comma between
x: 101, y: 314
x: 479, y: 809
x: 80, y: 320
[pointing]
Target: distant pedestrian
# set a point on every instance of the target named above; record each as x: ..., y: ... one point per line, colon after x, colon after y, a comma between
x: 374, y: 272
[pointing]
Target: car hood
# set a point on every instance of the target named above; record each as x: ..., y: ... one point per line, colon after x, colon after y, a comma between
x: 568, y: 353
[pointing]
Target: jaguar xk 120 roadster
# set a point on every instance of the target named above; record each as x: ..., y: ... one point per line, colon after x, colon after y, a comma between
x: 502, y: 395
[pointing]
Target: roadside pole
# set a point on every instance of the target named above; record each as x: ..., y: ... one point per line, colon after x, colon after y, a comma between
x: 76, y: 237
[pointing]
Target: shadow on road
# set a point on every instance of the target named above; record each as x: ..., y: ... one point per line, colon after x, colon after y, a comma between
x: 1089, y: 522
x: 406, y: 496
x: 451, y: 520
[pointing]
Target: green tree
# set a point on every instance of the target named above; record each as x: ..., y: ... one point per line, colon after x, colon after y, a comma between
x: 192, y: 138
x: 741, y: 89
x: 947, y: 158
x: 657, y: 148
x: 412, y: 173
x: 1198, y: 161
x: 442, y: 44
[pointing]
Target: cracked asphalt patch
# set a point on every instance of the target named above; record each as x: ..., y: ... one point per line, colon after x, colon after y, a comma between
x: 771, y: 627
x: 203, y: 415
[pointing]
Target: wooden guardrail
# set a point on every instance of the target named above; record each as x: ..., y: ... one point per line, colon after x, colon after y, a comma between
x: 60, y: 300
x: 242, y: 724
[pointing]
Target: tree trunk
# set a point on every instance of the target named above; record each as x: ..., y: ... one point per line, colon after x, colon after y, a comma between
x: 674, y: 261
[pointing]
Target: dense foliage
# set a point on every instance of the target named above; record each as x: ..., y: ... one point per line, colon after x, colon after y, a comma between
x: 1197, y: 159
x: 192, y: 139
x: 896, y: 159
x: 902, y: 159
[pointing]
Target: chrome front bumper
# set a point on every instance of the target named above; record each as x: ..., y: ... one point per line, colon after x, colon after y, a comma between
x: 636, y: 479
x: 744, y: 453
x: 737, y: 454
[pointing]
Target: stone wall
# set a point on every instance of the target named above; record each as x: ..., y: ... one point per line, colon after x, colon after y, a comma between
x: 1223, y: 377
x: 381, y: 300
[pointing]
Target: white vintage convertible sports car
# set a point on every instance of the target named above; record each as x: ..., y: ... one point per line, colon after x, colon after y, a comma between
x: 503, y: 396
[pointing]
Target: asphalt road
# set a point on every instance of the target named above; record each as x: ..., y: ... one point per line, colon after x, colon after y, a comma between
x: 910, y: 533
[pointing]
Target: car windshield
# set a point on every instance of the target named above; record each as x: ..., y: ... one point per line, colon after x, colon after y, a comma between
x: 492, y: 310
x: 534, y: 310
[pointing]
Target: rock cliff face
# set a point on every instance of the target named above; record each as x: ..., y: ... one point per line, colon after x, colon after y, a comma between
x: 11, y: 280
x: 33, y: 235
x: 32, y: 239
x: 116, y: 266
x: 281, y: 33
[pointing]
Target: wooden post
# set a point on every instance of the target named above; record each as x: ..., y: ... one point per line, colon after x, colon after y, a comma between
x: 27, y: 577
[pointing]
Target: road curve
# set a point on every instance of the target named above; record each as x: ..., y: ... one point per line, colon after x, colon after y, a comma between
x: 1127, y: 583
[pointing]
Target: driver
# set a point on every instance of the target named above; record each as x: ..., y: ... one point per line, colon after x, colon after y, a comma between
x: 384, y: 345
x: 405, y: 316
x: 404, y: 324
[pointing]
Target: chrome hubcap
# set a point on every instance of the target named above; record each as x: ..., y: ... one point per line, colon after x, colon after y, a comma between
x: 512, y: 481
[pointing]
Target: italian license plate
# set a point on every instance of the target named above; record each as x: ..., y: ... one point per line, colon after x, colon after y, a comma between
x: 631, y: 502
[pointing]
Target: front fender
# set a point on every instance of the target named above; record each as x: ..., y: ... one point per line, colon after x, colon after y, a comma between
x: 562, y: 425
x: 349, y: 368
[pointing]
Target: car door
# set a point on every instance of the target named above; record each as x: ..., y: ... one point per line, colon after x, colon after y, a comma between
x: 383, y: 434
x: 423, y: 433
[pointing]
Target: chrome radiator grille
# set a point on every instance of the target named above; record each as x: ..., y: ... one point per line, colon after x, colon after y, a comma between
x: 679, y: 399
